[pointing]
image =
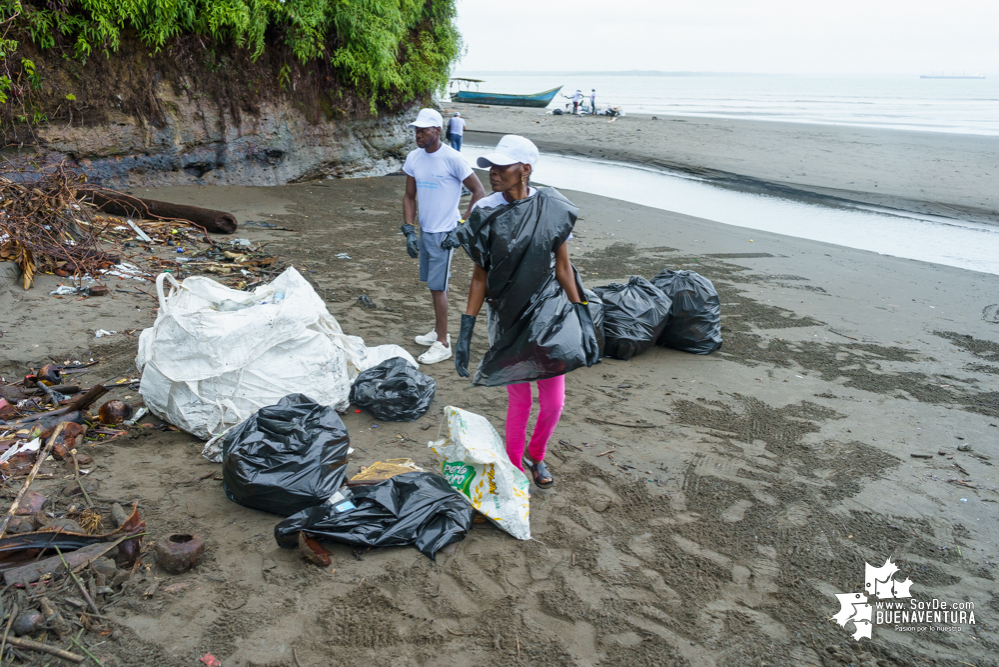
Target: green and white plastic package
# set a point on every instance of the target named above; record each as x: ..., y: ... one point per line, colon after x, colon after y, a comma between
x: 474, y: 461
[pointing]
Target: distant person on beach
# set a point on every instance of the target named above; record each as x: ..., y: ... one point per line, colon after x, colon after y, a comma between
x: 456, y: 129
x: 593, y: 101
x: 539, y: 326
x: 434, y: 176
x: 577, y: 97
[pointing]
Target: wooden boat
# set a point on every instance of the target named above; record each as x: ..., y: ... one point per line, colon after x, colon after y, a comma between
x: 539, y: 100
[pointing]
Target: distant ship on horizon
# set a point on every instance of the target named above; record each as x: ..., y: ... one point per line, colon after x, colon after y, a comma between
x: 952, y: 75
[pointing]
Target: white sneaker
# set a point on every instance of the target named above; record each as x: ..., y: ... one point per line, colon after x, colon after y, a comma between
x: 427, y: 339
x: 436, y: 353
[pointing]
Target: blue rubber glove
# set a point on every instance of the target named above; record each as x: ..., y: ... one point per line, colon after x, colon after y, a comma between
x: 590, y: 348
x: 412, y: 241
x: 463, y: 347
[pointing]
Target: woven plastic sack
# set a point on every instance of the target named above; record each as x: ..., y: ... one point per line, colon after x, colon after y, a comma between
x: 216, y: 355
x: 474, y: 461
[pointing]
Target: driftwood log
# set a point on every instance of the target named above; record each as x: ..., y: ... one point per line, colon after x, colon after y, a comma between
x: 119, y: 203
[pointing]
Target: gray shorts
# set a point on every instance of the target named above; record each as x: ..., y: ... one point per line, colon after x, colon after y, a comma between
x: 435, y: 263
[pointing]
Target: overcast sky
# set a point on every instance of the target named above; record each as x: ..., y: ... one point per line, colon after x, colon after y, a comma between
x: 767, y: 36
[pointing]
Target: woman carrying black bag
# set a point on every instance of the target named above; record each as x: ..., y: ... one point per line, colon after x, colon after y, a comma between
x: 539, y: 326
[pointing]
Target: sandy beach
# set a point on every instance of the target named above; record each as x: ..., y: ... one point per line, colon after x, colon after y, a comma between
x: 950, y: 175
x: 707, y: 509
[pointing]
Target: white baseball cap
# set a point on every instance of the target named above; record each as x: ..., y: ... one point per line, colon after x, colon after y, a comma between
x: 511, y: 149
x: 427, y: 118
x: 456, y: 113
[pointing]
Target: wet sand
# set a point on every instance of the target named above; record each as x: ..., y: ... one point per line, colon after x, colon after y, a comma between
x: 707, y: 509
x: 951, y: 175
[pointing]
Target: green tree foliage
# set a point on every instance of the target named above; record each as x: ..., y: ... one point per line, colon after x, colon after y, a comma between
x: 386, y: 49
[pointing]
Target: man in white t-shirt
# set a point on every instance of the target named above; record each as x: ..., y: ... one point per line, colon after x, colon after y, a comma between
x: 456, y: 130
x: 434, y: 176
x: 577, y: 97
x: 593, y: 101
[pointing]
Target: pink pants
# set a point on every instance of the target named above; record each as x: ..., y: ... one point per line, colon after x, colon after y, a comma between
x: 551, y: 398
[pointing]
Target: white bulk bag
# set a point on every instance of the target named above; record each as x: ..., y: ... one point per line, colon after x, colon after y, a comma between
x: 216, y: 355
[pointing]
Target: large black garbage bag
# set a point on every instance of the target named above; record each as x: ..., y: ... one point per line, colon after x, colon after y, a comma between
x: 394, y: 391
x: 538, y: 334
x: 634, y: 317
x: 596, y: 308
x: 695, y: 317
x: 416, y: 508
x: 286, y: 457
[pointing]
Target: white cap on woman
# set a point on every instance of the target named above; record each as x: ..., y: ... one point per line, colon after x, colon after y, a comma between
x: 511, y: 149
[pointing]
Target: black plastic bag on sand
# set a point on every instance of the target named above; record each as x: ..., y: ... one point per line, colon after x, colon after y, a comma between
x: 538, y: 333
x: 596, y: 309
x: 416, y: 508
x: 695, y: 317
x: 286, y: 457
x: 634, y: 317
x: 394, y: 391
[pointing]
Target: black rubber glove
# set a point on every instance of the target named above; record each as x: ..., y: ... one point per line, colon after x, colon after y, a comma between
x: 464, y: 344
x: 590, y: 348
x: 412, y: 241
x: 451, y: 241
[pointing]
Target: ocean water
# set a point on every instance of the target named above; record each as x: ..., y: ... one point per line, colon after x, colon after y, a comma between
x: 958, y: 243
x: 967, y: 106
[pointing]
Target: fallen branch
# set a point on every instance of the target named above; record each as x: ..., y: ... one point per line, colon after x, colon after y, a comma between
x: 67, y: 389
x: 76, y: 468
x: 43, y: 416
x: 83, y: 589
x: 3, y: 644
x: 42, y: 455
x: 31, y: 645
x: 81, y: 403
x: 74, y: 560
x: 53, y: 395
x: 89, y: 398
